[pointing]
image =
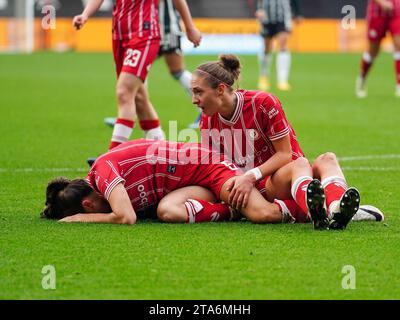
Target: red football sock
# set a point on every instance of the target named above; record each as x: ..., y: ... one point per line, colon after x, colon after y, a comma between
x: 299, y: 189
x: 397, y: 66
x: 121, y: 133
x: 147, y: 125
x: 366, y: 63
x: 334, y: 188
x: 290, y: 207
x: 204, y: 211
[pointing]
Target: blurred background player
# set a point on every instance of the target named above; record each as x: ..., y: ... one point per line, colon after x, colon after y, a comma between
x: 275, y: 17
x: 136, y: 41
x: 382, y: 16
x: 170, y: 48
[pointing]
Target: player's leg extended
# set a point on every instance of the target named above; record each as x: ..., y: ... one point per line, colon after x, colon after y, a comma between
x: 126, y: 89
x: 192, y: 204
x: 342, y: 202
x: 283, y: 61
x: 264, y: 60
x: 148, y: 117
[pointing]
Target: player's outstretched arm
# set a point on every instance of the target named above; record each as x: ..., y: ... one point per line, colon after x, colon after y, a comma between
x: 122, y: 210
x: 90, y: 9
x: 193, y: 34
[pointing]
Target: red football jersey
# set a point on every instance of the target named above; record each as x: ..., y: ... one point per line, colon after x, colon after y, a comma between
x: 374, y: 10
x: 149, y: 169
x: 135, y: 19
x: 247, y: 137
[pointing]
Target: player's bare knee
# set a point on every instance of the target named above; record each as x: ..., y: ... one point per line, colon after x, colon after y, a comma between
x: 265, y: 215
x: 124, y: 94
x: 301, y: 163
x: 168, y: 212
x: 326, y: 157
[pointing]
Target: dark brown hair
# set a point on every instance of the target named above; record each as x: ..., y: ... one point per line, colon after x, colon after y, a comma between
x: 64, y: 197
x: 226, y: 70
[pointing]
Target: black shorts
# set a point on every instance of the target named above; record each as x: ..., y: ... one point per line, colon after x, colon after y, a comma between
x: 170, y: 43
x: 270, y: 30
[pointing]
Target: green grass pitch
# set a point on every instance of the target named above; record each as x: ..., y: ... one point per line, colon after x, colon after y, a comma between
x: 52, y: 108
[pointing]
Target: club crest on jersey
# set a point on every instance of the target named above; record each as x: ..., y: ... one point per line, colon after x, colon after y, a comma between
x: 253, y: 134
x: 171, y: 168
x: 146, y: 25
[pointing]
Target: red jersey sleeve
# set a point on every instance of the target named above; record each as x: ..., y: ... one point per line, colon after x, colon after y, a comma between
x: 276, y: 125
x: 104, y: 177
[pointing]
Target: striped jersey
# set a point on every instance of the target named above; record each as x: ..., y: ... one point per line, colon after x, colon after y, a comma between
x: 169, y: 22
x: 149, y: 169
x: 278, y: 11
x: 374, y: 9
x: 135, y: 19
x: 247, y: 137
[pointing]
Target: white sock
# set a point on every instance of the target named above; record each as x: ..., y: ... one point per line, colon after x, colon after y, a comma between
x: 367, y: 57
x: 121, y: 133
x: 185, y: 79
x: 264, y: 60
x: 283, y: 62
x: 154, y: 134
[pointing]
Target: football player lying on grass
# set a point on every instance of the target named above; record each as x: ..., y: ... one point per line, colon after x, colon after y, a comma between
x: 137, y: 175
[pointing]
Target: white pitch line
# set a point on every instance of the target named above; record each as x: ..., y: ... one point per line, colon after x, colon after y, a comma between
x: 36, y: 170
x: 370, y: 157
x: 371, y: 168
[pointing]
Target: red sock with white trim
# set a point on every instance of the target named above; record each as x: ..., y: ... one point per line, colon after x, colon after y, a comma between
x: 299, y: 192
x: 291, y: 212
x: 152, y: 129
x: 204, y: 211
x: 396, y: 57
x: 334, y: 187
x: 366, y: 63
x: 121, y: 133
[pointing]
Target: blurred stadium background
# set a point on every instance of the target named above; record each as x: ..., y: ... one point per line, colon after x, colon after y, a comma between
x: 227, y: 24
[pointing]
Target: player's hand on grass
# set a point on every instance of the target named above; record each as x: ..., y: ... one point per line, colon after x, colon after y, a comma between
x: 240, y: 188
x: 79, y: 20
x: 194, y: 36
